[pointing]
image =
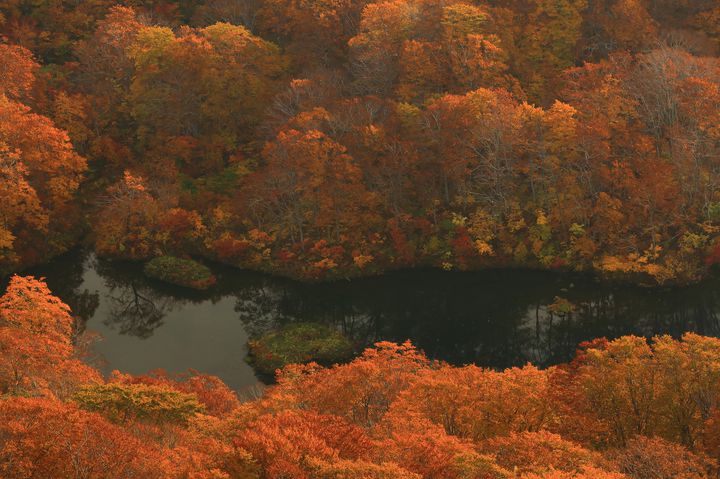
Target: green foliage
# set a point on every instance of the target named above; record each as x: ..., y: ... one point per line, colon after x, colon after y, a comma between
x: 577, y: 230
x: 180, y: 271
x: 463, y: 19
x: 299, y: 343
x: 713, y: 212
x: 690, y: 242
x: 122, y: 402
x: 222, y: 183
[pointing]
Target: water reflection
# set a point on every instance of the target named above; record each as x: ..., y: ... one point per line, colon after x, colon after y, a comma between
x: 498, y: 318
x: 135, y: 307
x: 493, y: 318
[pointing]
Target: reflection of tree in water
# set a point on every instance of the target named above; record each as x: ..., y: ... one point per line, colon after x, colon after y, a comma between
x: 136, y: 308
x: 259, y: 308
x: 347, y: 309
x: 83, y: 305
x: 611, y: 311
x: 135, y: 311
x: 491, y: 318
x: 495, y: 319
x: 64, y: 276
x: 272, y: 303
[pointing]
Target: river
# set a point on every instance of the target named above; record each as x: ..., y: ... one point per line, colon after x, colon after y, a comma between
x: 496, y: 318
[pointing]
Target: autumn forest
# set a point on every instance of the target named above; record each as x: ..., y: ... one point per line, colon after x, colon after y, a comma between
x: 324, y: 140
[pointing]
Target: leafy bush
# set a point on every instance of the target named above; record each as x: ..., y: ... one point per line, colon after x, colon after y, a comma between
x: 179, y: 271
x: 123, y: 402
x: 299, y: 343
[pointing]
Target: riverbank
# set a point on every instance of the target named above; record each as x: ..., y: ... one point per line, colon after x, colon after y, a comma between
x: 322, y: 262
x: 618, y: 277
x: 494, y: 318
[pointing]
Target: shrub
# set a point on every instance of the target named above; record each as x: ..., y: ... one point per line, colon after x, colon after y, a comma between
x: 299, y: 343
x: 179, y: 271
x: 122, y: 402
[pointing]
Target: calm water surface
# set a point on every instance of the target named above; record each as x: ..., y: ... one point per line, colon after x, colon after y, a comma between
x: 492, y: 318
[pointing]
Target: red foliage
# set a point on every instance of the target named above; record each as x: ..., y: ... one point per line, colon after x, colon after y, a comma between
x: 230, y: 249
x: 463, y: 246
x: 713, y: 257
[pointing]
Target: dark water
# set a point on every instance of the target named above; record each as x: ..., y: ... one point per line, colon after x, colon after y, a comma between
x: 493, y: 318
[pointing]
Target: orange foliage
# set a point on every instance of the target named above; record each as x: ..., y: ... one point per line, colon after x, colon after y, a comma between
x: 45, y: 438
x: 361, y: 391
x: 18, y: 74
x: 648, y: 458
x: 528, y: 452
x: 474, y: 403
x: 374, y: 135
x: 211, y: 392
x: 586, y: 473
x: 39, y: 170
x: 283, y: 442
x: 390, y: 413
x: 36, y: 332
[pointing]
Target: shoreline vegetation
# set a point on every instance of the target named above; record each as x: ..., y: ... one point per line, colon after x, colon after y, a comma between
x: 298, y: 343
x: 180, y: 271
x: 634, y: 278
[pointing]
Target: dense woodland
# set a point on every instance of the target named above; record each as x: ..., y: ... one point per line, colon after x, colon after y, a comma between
x: 322, y: 139
x: 336, y: 138
x: 622, y: 409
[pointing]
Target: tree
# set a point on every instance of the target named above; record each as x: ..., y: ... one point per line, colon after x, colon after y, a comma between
x: 291, y: 443
x: 18, y: 76
x: 612, y: 25
x: 317, y: 32
x: 647, y: 458
x: 28, y: 304
x: 215, y: 396
x: 40, y: 170
x: 309, y: 184
x: 627, y: 388
x: 474, y: 136
x: 102, y: 82
x: 374, y: 51
x: 196, y: 97
x: 476, y: 404
x: 587, y: 473
x: 420, y: 50
x: 361, y: 391
x: 130, y: 211
x: 36, y: 334
x: 140, y: 402
x: 528, y: 452
x: 424, y: 448
x: 21, y: 205
x: 344, y: 469
x: 47, y: 438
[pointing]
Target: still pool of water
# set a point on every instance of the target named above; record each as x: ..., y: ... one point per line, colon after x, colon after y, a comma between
x: 496, y: 318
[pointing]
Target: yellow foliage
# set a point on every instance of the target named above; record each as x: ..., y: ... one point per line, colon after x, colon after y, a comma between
x: 483, y: 248
x: 362, y: 260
